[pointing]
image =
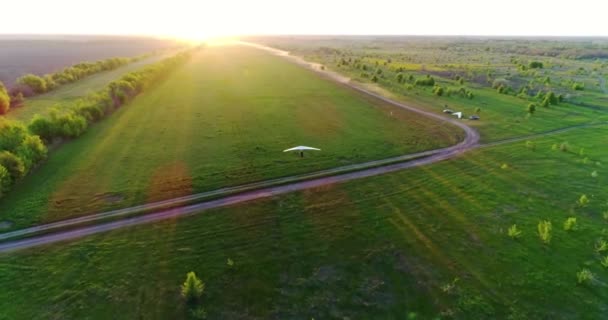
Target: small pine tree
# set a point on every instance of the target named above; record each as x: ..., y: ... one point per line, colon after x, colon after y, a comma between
x: 193, y: 287
x: 583, y: 201
x: 544, y: 231
x: 584, y: 276
x: 513, y: 232
x: 570, y: 224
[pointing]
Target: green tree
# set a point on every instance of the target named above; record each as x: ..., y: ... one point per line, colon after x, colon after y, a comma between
x: 5, y: 99
x: 551, y: 97
x: 32, y: 151
x: 36, y: 83
x: 193, y: 287
x: 544, y: 231
x: 13, y: 164
x: 531, y: 108
x: 5, y: 180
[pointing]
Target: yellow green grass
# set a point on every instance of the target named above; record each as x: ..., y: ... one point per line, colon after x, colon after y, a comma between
x: 222, y: 119
x: 430, y: 241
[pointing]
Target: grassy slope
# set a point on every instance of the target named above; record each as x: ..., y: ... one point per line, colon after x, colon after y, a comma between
x: 67, y: 94
x: 502, y: 116
x: 374, y: 248
x: 221, y: 120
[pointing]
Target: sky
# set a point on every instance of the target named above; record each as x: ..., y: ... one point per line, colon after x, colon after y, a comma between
x: 203, y: 19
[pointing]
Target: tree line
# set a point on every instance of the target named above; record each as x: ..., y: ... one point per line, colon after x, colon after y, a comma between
x: 31, y: 84
x: 23, y: 147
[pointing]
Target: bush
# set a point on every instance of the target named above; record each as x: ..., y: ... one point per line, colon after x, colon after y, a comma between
x: 12, y: 134
x: 601, y: 245
x: 5, y: 180
x: 531, y: 108
x: 545, y: 103
x: 428, y: 81
x: 438, y: 90
x: 535, y: 65
x: 5, y: 99
x: 544, y: 231
x: 34, y: 82
x: 32, y: 151
x: 604, y: 262
x: 374, y: 78
x: 551, y: 97
x: 531, y: 145
x: 583, y: 201
x: 513, y: 232
x: 578, y: 86
x: 564, y: 147
x: 42, y: 127
x: 584, y: 276
x: 193, y: 287
x: 14, y: 165
x: 570, y: 224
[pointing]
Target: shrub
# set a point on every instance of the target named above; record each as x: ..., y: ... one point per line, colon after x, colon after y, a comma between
x: 594, y: 174
x: 545, y: 103
x: 601, y: 245
x: 531, y: 145
x: 34, y: 82
x: 5, y: 99
x: 570, y: 224
x: 564, y: 147
x: 477, y: 110
x: 42, y: 127
x: 11, y: 134
x: 399, y: 77
x: 604, y: 262
x: 583, y: 201
x: 374, y: 78
x: 531, y: 108
x: 544, y: 231
x: 438, y: 91
x: 551, y: 97
x: 584, y: 276
x: 427, y: 81
x: 14, y: 165
x: 535, y: 65
x: 193, y: 287
x: 578, y: 86
x: 605, y: 215
x: 5, y: 180
x: 17, y: 99
x: 32, y: 151
x: 513, y: 232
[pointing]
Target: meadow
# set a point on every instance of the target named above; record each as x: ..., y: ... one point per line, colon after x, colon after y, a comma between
x: 430, y: 242
x: 477, y: 65
x: 223, y: 119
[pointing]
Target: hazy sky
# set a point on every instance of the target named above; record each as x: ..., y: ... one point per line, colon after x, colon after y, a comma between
x: 198, y: 19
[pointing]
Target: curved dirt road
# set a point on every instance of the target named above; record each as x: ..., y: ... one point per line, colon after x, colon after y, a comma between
x: 248, y: 192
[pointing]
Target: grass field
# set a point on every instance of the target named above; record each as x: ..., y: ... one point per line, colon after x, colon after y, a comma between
x: 68, y: 95
x: 480, y: 63
x: 382, y: 247
x: 222, y: 119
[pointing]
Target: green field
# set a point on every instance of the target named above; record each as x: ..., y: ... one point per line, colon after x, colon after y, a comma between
x: 68, y: 95
x: 223, y: 119
x: 381, y: 247
x: 480, y: 63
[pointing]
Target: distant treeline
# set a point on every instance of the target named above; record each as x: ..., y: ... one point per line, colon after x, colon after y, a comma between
x: 31, y: 84
x: 23, y: 147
